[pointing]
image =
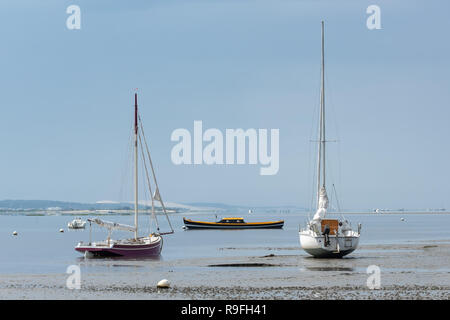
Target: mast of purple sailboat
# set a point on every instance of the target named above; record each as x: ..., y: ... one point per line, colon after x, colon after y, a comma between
x: 135, y: 166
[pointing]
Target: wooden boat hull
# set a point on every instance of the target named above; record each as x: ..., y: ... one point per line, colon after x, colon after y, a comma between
x: 191, y: 224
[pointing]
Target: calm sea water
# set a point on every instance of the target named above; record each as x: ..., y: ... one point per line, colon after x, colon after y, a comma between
x: 41, y: 248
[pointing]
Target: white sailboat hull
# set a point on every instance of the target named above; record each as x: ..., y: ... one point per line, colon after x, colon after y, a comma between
x: 338, y: 246
x: 76, y: 224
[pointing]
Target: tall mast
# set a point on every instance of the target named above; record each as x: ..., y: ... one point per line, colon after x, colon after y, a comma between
x: 135, y: 166
x: 323, y: 103
x: 321, y: 141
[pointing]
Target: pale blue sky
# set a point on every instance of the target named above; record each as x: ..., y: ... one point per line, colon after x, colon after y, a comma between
x: 66, y: 97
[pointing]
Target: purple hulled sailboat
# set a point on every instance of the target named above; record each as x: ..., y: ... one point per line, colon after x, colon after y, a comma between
x: 150, y: 245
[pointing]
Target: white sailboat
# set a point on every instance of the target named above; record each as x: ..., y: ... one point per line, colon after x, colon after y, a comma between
x: 322, y: 237
x: 76, y: 223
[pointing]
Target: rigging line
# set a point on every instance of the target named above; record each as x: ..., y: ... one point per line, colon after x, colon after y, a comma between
x: 314, y: 128
x: 148, y: 182
x: 312, y: 181
x: 332, y: 179
x: 153, y: 218
x: 154, y: 176
x: 312, y: 151
x: 146, y: 191
x: 157, y: 192
x: 145, y: 195
x: 126, y: 168
x: 337, y: 200
x: 336, y: 127
x: 315, y: 174
x: 309, y: 174
x: 331, y: 202
x: 130, y: 163
x: 339, y: 164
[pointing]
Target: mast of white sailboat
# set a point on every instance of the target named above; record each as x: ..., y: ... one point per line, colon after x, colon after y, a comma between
x: 323, y: 103
x: 135, y: 167
x: 321, y: 140
x: 319, y: 155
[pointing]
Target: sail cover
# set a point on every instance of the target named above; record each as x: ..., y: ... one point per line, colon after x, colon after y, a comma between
x: 322, y: 206
x: 113, y: 225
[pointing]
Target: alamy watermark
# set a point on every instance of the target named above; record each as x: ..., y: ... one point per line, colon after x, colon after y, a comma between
x: 374, y: 20
x: 234, y: 150
x: 374, y: 280
x: 74, y: 280
x: 73, y: 22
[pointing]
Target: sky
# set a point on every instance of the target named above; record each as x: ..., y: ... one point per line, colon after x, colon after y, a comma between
x: 66, y: 98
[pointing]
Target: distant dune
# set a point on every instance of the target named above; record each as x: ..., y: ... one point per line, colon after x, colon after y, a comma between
x: 62, y: 205
x: 52, y: 205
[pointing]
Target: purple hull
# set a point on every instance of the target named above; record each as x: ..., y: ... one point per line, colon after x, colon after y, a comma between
x: 123, y: 250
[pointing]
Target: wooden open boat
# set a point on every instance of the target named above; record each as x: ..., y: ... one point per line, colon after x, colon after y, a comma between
x: 231, y: 223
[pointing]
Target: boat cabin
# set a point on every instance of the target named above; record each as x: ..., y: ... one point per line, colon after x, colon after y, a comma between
x: 333, y: 225
x: 232, y: 220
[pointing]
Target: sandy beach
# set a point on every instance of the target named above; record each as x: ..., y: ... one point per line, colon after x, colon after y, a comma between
x: 408, y: 271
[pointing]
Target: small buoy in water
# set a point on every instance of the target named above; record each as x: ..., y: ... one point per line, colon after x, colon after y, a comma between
x: 403, y: 219
x: 15, y: 233
x: 164, y: 283
x: 61, y: 230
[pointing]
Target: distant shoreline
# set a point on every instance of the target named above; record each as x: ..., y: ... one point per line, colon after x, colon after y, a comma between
x: 82, y: 212
x: 393, y: 212
x: 40, y: 212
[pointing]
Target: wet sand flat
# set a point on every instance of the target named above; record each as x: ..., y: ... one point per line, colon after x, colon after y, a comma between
x: 408, y: 271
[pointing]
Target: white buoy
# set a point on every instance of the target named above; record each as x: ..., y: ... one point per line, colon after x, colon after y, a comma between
x: 61, y: 230
x: 15, y: 233
x: 164, y: 283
